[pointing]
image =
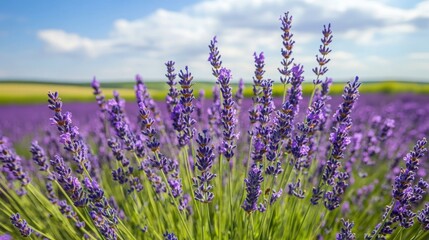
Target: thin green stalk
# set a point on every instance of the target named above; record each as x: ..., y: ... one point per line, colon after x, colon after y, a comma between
x: 252, y: 229
x: 177, y: 207
x: 220, y: 197
x: 311, y: 96
x: 398, y: 233
x: 303, y: 219
x: 383, y: 222
x: 417, y: 235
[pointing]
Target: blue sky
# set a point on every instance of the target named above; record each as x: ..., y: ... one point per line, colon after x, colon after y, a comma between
x: 114, y: 40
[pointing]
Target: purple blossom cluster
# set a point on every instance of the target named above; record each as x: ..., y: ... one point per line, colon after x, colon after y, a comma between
x: 189, y: 168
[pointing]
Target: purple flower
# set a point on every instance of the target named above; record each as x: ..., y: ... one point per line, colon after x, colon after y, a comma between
x: 70, y: 184
x: 275, y: 195
x: 12, y: 163
x: 253, y: 188
x: 21, y: 225
x: 214, y: 58
x: 259, y: 68
x: 69, y: 135
x: 186, y: 99
x: 173, y: 94
x: 339, y: 140
x: 386, y: 129
x: 95, y: 193
x: 121, y: 125
x: 423, y: 217
x: 142, y: 95
x: 39, y: 156
x: 286, y: 51
x: 404, y: 194
x: 295, y: 189
x: 169, y: 236
x: 228, y: 114
x: 324, y: 51
x: 99, y: 96
x: 286, y: 115
x: 346, y: 231
x: 205, y: 158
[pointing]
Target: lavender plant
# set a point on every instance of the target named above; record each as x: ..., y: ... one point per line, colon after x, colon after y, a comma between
x: 227, y: 168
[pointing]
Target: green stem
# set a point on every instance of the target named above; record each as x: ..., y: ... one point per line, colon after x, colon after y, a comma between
x: 176, y: 206
x: 383, y: 222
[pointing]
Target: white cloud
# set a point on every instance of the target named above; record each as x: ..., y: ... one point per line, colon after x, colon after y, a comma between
x: 242, y: 26
x: 63, y: 42
x: 419, y: 56
x: 379, y: 35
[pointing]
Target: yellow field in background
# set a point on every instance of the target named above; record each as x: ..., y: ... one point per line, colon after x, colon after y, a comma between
x: 21, y: 93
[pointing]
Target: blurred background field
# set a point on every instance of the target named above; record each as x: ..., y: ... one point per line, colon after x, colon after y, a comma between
x: 35, y: 92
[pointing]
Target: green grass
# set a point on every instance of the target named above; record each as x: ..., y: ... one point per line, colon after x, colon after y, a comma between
x: 35, y: 92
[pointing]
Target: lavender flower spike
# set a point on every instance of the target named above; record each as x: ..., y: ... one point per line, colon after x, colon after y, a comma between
x: 214, y: 57
x: 186, y: 107
x: 423, y: 217
x: 253, y: 188
x: 69, y: 134
x: 286, y: 51
x: 403, y: 194
x: 227, y: 114
x: 346, y: 231
x: 39, y: 156
x: 205, y: 158
x: 169, y: 236
x: 173, y: 93
x: 12, y: 163
x: 21, y: 225
x: 324, y: 51
x: 101, y: 101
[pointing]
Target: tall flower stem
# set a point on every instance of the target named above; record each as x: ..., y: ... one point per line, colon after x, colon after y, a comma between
x: 177, y: 207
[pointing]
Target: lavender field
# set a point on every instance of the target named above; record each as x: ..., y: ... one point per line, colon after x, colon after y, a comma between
x: 350, y: 166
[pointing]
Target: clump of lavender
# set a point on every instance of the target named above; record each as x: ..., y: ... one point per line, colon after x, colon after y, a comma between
x: 346, y: 231
x: 324, y: 51
x: 69, y: 134
x: 135, y: 191
x: 287, y: 48
x: 254, y: 113
x: 403, y: 193
x: 205, y: 158
x: 214, y: 58
x: 423, y: 217
x: 173, y: 94
x: 286, y: 115
x: 170, y: 236
x: 339, y: 140
x: 39, y: 156
x: 228, y: 114
x: 253, y: 188
x: 21, y: 225
x: 182, y: 113
x: 101, y: 101
x: 12, y: 164
x: 70, y: 184
x: 142, y: 93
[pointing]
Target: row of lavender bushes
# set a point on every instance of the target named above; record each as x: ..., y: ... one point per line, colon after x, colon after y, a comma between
x: 226, y: 168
